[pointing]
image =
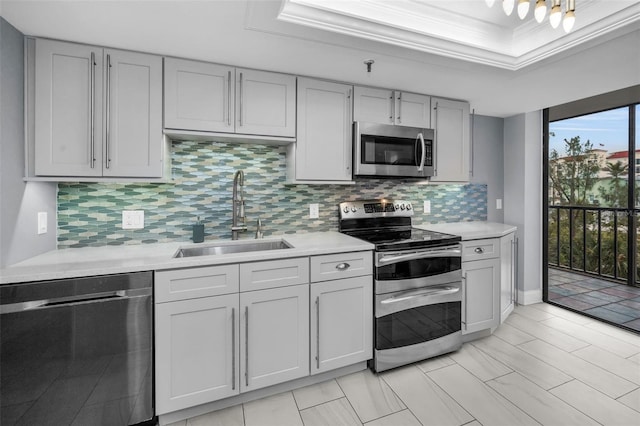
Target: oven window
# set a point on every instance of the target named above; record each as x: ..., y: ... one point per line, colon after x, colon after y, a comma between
x: 418, y: 268
x: 417, y: 325
x: 389, y: 151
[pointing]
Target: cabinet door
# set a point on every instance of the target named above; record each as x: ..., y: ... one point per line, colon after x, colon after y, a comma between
x: 265, y: 103
x: 341, y: 323
x: 323, y: 146
x: 274, y: 338
x: 198, y: 96
x: 196, y: 351
x: 373, y: 105
x: 481, y: 287
x: 413, y: 110
x: 507, y: 275
x: 133, y: 114
x: 450, y: 120
x: 68, y: 109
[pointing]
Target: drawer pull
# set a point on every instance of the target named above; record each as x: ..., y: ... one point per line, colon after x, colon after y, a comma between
x: 479, y: 250
x: 342, y: 266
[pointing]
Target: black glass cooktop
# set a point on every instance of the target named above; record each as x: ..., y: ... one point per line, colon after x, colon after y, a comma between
x: 387, y: 239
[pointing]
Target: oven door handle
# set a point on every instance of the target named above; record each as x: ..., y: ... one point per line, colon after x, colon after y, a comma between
x: 435, y: 291
x: 385, y: 260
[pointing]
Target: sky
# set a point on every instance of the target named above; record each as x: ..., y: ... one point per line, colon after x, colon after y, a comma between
x: 606, y: 130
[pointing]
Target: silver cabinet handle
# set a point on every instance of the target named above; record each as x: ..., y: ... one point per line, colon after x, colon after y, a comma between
x: 479, y: 250
x: 92, y: 107
x: 108, y: 113
x: 318, y: 332
x: 246, y: 345
x: 229, y: 98
x: 399, y: 107
x: 233, y: 348
x: 241, y: 103
x: 464, y: 299
x: 392, y: 99
x: 342, y: 266
x: 473, y: 123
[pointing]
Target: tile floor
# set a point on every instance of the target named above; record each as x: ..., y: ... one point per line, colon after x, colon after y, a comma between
x: 544, y: 365
x: 613, y: 302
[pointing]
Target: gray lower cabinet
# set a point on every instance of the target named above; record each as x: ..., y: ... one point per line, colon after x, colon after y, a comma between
x: 480, y: 285
x: 508, y: 274
x: 274, y: 340
x: 97, y: 112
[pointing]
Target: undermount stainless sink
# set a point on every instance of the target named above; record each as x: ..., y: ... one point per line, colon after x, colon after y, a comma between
x: 231, y: 247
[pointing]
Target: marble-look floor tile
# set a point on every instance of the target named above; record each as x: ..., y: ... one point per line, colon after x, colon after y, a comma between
x: 478, y: 399
x: 594, y: 376
x: 426, y: 400
x: 232, y: 416
x: 613, y: 363
x: 618, y: 333
x: 631, y: 400
x: 543, y: 332
x: 529, y: 366
x: 338, y: 412
x: 401, y: 418
x: 277, y: 410
x: 435, y: 363
x: 563, y: 313
x: 480, y: 364
x: 635, y: 358
x: 594, y: 337
x: 538, y: 403
x: 596, y: 405
x: 320, y: 393
x: 369, y: 395
x: 532, y: 313
x: 512, y: 335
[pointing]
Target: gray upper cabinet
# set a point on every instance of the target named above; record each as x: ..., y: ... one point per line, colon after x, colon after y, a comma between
x: 198, y: 96
x: 391, y: 107
x: 452, y: 142
x: 204, y: 97
x: 98, y: 112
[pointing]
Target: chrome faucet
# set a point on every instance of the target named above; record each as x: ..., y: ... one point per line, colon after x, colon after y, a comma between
x: 238, y: 205
x: 259, y: 230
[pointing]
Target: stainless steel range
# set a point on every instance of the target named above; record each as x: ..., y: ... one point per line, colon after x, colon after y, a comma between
x: 418, y: 282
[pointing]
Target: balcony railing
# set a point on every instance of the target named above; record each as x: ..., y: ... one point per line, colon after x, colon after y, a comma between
x: 591, y: 240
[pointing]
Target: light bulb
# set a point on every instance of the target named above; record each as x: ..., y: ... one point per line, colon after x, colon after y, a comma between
x: 556, y: 16
x: 568, y: 21
x: 490, y: 2
x: 507, y: 6
x: 523, y: 8
x: 540, y: 10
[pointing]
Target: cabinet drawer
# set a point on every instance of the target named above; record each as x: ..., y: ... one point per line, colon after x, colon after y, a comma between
x: 342, y: 265
x: 180, y: 284
x: 275, y: 273
x: 480, y: 249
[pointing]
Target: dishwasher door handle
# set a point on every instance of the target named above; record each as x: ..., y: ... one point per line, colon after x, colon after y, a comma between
x: 57, y: 302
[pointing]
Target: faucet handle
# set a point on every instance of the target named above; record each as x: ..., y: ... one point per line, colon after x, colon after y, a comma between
x: 259, y: 233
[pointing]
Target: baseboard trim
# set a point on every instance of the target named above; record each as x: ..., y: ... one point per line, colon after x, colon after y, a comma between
x: 529, y: 297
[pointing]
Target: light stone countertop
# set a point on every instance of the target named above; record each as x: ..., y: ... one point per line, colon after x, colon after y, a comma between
x: 471, y: 230
x: 90, y: 261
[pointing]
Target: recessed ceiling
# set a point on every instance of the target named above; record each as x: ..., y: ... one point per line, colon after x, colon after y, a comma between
x: 467, y: 30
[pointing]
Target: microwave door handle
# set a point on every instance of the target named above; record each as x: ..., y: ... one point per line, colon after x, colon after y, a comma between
x: 424, y: 151
x: 414, y: 256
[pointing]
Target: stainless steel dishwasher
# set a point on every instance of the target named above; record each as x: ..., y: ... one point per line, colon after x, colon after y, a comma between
x: 77, y: 351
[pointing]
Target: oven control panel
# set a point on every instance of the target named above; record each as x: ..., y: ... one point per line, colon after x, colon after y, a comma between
x: 385, y: 207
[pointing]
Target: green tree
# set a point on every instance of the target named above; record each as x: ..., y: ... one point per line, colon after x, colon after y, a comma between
x: 615, y: 194
x: 573, y: 175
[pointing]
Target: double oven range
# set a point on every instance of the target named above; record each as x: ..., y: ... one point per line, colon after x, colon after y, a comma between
x: 417, y: 282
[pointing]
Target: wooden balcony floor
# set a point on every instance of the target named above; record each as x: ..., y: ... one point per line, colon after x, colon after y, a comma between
x: 617, y: 303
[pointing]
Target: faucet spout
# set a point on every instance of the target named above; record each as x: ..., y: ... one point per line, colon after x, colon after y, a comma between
x: 237, y: 205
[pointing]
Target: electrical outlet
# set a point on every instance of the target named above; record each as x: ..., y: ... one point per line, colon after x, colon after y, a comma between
x: 427, y: 207
x: 499, y: 203
x: 42, y: 223
x: 314, y: 211
x: 132, y: 219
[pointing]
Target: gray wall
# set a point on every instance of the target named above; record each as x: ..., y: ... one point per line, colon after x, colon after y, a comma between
x: 20, y: 202
x: 488, y: 161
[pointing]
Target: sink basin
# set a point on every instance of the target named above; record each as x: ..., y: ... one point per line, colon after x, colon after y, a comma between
x: 231, y: 247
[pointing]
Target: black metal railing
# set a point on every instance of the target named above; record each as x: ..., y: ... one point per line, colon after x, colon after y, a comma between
x: 592, y: 240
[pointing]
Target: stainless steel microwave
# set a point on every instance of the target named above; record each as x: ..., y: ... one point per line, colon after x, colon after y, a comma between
x: 385, y: 150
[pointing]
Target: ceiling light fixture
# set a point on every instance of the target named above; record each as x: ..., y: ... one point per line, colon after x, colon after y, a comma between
x: 507, y: 6
x: 540, y: 11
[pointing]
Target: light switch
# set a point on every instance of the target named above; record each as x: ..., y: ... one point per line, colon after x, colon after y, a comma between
x: 42, y: 223
x: 427, y: 207
x: 499, y: 203
x: 132, y: 219
x: 314, y: 211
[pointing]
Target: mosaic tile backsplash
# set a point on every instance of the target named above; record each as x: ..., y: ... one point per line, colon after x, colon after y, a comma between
x: 90, y: 214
